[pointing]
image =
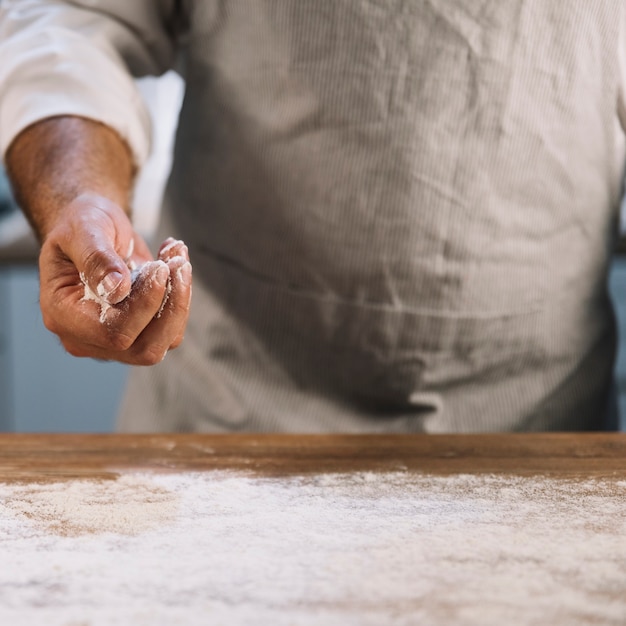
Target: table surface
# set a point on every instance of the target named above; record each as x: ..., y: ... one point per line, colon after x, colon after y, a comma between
x: 53, y: 456
x: 313, y: 529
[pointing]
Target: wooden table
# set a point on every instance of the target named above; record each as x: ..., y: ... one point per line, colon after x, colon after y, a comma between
x: 39, y: 457
x: 308, y: 529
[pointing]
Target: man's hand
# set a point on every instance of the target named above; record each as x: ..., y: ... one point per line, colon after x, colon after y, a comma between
x: 100, y: 290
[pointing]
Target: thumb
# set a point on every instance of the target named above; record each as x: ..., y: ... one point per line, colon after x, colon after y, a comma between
x: 105, y: 272
x: 99, y: 241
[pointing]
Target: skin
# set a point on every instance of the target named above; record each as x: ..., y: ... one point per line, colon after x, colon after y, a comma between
x: 73, y: 178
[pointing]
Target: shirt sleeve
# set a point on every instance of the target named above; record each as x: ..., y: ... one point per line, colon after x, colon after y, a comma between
x: 78, y: 57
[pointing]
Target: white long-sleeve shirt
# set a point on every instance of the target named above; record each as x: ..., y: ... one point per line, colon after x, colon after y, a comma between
x: 400, y: 215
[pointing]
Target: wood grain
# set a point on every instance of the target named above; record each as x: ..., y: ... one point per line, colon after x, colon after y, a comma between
x: 26, y: 457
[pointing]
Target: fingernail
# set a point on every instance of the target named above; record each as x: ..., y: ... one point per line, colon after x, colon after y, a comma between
x: 110, y: 283
x: 184, y: 273
x: 162, y: 274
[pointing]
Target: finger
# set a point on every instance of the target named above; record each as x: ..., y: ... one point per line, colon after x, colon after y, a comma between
x: 164, y: 332
x: 167, y: 330
x: 125, y: 321
x: 94, y: 323
x: 103, y: 354
x: 96, y: 237
x: 179, y: 303
x: 172, y: 248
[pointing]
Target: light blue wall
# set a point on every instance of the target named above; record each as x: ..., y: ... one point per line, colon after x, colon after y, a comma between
x: 6, y: 400
x: 48, y: 390
x: 618, y: 289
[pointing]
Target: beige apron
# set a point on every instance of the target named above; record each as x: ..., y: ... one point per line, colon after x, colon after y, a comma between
x: 400, y: 216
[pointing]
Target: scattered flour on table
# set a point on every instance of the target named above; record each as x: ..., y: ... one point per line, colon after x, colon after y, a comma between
x: 393, y: 548
x: 129, y: 505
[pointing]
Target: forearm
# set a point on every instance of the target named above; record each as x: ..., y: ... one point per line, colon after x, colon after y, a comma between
x: 55, y: 161
x: 73, y: 179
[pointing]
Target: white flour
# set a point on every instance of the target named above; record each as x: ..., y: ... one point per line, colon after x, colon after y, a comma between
x: 99, y: 298
x: 135, y: 271
x: 397, y: 548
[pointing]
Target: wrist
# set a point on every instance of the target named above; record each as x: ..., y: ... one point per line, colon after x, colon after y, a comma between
x: 64, y: 161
